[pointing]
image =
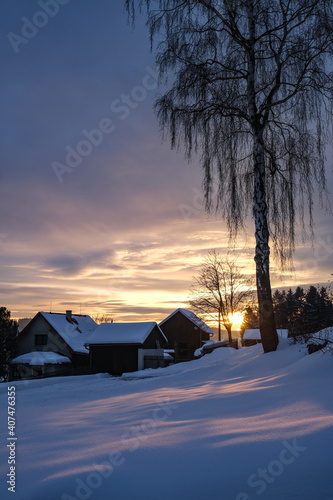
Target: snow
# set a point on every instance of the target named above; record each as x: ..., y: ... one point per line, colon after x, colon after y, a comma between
x: 326, y: 334
x: 208, y: 342
x: 208, y: 346
x: 254, y: 334
x: 232, y: 425
x: 214, y: 345
x: 122, y: 333
x: 198, y: 352
x: 74, y: 334
x: 192, y: 317
x: 40, y: 358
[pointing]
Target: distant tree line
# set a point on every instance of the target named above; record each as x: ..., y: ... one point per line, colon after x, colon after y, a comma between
x: 302, y: 312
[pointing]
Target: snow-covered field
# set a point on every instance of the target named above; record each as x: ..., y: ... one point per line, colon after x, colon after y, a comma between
x: 234, y: 425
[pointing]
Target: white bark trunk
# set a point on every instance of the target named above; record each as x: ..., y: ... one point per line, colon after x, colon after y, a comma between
x: 260, y: 212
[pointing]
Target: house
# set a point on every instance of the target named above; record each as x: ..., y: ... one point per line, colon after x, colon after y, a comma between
x: 252, y: 336
x: 63, y: 334
x: 185, y: 333
x: 126, y: 347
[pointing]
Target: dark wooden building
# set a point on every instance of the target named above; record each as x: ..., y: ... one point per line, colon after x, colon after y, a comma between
x: 185, y: 333
x: 118, y: 348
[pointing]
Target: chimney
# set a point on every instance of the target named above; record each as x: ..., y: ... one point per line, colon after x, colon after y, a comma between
x: 69, y: 315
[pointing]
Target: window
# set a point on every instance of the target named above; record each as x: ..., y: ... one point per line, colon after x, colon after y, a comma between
x: 40, y: 339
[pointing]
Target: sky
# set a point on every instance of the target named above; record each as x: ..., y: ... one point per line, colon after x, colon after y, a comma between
x: 98, y: 214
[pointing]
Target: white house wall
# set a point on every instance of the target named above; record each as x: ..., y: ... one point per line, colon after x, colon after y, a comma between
x: 41, y: 327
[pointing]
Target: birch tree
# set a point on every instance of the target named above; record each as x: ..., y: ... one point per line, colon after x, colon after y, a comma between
x: 249, y: 87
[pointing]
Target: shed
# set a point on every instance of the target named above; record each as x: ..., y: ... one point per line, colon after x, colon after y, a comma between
x: 117, y: 348
x: 39, y: 364
x: 185, y: 333
x: 252, y: 336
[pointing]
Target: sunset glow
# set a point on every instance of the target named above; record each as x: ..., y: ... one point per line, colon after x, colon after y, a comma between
x: 236, y: 319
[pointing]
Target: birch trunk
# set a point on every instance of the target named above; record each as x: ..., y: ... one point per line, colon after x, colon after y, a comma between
x: 266, y: 313
x: 260, y: 212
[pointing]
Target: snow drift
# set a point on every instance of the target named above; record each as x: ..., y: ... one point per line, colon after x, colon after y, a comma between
x: 233, y: 425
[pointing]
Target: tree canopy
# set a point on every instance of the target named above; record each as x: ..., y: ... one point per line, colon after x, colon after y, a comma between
x: 206, y: 48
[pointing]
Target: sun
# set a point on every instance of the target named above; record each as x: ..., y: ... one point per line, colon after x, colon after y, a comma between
x: 236, y: 319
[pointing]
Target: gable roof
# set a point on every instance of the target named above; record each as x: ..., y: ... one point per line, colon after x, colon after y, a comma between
x: 123, y: 333
x: 192, y: 317
x: 254, y: 334
x: 74, y: 332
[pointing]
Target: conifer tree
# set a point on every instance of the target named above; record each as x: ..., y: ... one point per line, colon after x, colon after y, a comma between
x: 8, y: 341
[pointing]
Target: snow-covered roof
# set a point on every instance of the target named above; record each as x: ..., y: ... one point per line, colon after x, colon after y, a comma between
x: 122, y: 333
x: 74, y: 333
x: 254, y: 334
x: 192, y: 317
x: 40, y: 358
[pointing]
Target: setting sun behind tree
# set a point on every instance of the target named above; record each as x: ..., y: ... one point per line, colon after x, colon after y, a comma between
x: 221, y: 291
